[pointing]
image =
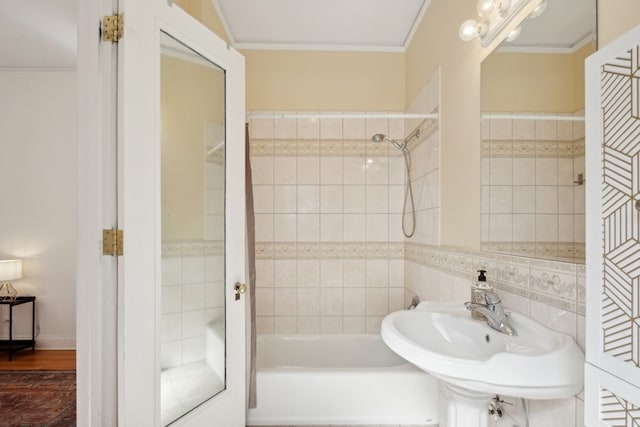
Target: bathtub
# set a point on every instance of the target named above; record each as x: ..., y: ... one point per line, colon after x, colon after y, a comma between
x: 339, y: 379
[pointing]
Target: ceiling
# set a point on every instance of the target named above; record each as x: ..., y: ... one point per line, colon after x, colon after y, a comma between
x: 562, y: 26
x: 381, y: 25
x: 43, y: 32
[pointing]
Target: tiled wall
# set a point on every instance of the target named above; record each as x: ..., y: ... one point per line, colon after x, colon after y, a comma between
x: 192, y: 297
x: 328, y: 206
x: 530, y: 203
x: 193, y: 271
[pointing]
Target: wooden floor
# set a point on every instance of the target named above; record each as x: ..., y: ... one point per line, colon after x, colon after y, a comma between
x: 39, y: 360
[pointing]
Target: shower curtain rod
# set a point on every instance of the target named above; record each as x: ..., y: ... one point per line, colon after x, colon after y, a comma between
x: 341, y: 116
x: 533, y: 117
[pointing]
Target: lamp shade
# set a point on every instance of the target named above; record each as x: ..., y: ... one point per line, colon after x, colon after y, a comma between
x: 10, y: 270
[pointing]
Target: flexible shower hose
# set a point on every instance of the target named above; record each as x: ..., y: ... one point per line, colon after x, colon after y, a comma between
x: 408, y: 195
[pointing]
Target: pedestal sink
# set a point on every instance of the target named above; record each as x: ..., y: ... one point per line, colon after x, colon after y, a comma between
x: 475, y: 362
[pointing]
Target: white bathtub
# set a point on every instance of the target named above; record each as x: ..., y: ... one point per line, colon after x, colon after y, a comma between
x: 339, y: 379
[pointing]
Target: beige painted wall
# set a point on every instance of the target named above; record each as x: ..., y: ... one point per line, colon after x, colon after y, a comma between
x: 534, y: 82
x: 205, y: 12
x: 191, y: 95
x: 616, y: 17
x: 316, y: 80
x: 436, y: 44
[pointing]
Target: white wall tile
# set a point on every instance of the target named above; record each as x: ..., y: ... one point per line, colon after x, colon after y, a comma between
x: 308, y: 199
x: 285, y: 170
x: 354, y: 198
x: 354, y: 170
x: 308, y: 169
x: 377, y: 171
x: 285, y: 227
x: 285, y: 302
x: 331, y: 273
x: 286, y: 273
x: 331, y: 171
x: 331, y: 128
x: 171, y: 271
x: 171, y: 299
x: 285, y: 199
x: 331, y: 227
x: 354, y: 302
x: 308, y: 228
x: 193, y: 297
x: 193, y: 269
x: 353, y: 324
x: 192, y: 324
x: 308, y: 128
x: 331, y: 199
x: 262, y: 170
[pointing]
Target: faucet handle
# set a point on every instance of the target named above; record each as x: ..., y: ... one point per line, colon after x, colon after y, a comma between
x: 490, y: 297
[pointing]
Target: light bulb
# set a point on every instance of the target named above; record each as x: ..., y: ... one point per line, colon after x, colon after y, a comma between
x: 538, y: 10
x: 485, y: 8
x: 513, y: 34
x: 471, y: 29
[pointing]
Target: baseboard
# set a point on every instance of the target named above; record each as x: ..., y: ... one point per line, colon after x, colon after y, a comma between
x: 53, y: 343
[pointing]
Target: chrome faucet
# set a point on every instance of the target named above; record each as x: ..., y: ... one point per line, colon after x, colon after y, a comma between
x: 492, y: 309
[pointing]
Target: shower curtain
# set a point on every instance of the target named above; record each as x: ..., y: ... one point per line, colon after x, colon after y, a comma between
x: 251, y: 267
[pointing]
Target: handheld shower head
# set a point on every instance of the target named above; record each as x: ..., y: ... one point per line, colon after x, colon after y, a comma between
x: 379, y: 137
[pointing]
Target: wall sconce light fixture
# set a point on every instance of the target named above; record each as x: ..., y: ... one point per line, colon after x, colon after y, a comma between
x: 9, y: 270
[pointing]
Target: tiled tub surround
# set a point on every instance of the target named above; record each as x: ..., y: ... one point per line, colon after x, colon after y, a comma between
x: 192, y: 297
x: 328, y: 208
x: 530, y: 203
x: 551, y: 292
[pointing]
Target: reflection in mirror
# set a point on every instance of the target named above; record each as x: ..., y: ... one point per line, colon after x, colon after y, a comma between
x: 193, y: 194
x: 532, y: 149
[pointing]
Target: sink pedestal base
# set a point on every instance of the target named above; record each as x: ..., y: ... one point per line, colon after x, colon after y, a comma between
x: 460, y: 407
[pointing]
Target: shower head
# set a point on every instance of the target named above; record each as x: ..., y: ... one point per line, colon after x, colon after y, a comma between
x: 379, y: 137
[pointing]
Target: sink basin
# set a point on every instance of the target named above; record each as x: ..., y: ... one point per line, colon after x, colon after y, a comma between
x: 442, y: 339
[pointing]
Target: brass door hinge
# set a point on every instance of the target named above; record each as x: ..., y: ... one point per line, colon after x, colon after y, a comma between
x: 112, y: 28
x: 112, y: 242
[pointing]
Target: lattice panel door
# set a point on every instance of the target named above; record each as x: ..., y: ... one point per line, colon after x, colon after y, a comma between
x: 613, y: 234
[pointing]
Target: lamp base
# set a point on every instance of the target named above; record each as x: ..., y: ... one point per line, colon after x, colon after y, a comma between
x: 8, y: 292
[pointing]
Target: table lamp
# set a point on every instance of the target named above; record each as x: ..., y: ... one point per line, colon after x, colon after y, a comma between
x: 9, y: 270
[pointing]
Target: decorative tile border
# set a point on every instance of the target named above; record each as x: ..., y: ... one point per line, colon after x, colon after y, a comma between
x: 573, y: 252
x: 329, y: 250
x: 192, y: 248
x: 550, y: 282
x: 267, y: 147
x: 537, y: 149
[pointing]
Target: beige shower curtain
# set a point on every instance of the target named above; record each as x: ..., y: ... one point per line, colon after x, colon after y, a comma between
x: 251, y: 267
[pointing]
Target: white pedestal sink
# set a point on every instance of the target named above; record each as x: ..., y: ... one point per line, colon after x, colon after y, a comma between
x: 474, y: 362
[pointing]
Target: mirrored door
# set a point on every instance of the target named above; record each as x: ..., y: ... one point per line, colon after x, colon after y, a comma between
x: 192, y: 114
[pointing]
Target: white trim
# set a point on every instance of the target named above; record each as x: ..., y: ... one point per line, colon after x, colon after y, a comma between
x: 37, y: 70
x: 415, y: 25
x: 225, y: 25
x: 317, y: 116
x: 319, y: 47
x: 61, y: 343
x: 546, y: 49
x: 505, y: 116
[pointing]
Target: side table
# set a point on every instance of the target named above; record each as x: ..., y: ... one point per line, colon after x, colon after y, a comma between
x: 12, y: 345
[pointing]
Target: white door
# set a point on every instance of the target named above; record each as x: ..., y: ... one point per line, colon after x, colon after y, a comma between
x: 612, y: 382
x: 139, y: 205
